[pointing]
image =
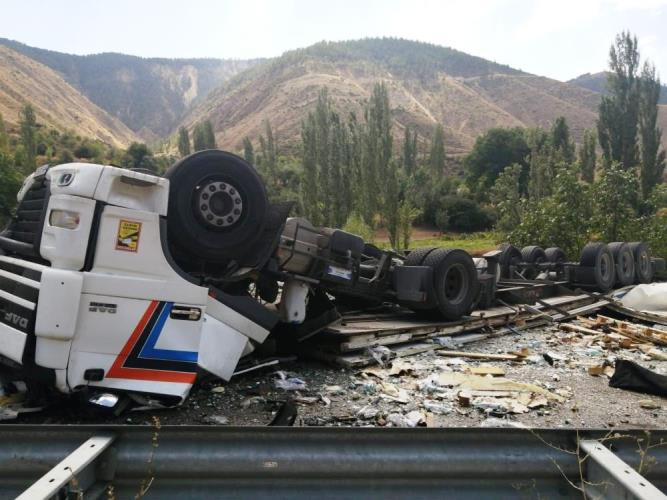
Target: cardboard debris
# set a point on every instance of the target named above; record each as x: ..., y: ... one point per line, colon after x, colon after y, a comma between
x: 495, y: 371
x: 475, y: 382
x: 599, y: 370
x: 649, y: 404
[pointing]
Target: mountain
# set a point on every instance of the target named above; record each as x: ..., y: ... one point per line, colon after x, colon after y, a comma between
x: 149, y: 95
x: 597, y: 83
x: 427, y: 84
x: 56, y: 102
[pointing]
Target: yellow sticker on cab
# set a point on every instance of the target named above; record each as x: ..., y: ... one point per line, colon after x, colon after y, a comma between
x: 129, y: 232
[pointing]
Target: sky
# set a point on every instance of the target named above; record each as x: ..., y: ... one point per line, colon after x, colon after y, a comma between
x: 560, y: 39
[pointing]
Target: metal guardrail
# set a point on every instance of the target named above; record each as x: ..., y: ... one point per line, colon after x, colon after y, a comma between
x: 219, y: 462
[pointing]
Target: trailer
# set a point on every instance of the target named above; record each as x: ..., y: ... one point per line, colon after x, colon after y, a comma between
x: 117, y: 281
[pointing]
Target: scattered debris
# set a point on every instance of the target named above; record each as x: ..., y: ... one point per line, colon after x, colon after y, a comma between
x: 633, y: 377
x: 481, y: 355
x: 289, y: 383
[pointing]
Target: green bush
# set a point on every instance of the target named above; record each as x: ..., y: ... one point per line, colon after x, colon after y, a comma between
x: 462, y: 214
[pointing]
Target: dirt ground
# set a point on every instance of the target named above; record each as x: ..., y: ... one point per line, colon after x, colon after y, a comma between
x: 330, y: 396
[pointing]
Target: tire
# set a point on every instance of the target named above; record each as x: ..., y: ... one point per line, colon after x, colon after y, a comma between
x: 509, y: 256
x: 416, y: 257
x: 454, y: 281
x: 600, y: 262
x: 643, y: 267
x: 624, y: 261
x: 533, y: 254
x: 217, y: 206
x: 555, y: 255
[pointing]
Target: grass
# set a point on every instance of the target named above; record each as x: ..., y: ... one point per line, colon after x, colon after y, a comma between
x: 473, y: 243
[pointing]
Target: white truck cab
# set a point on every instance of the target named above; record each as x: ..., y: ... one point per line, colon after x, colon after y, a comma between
x: 91, y: 298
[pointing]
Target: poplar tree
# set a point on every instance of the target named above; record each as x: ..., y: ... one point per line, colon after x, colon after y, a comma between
x: 561, y: 142
x: 409, y: 151
x: 183, y: 141
x: 28, y: 125
x: 209, y: 135
x: 199, y: 138
x: 618, y: 113
x: 588, y: 156
x: 268, y: 151
x: 309, y: 185
x: 248, y: 150
x: 437, y: 156
x: 4, y: 140
x: 652, y: 163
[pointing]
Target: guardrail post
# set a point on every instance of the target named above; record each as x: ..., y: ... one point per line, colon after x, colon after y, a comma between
x: 607, y: 476
x: 77, y: 473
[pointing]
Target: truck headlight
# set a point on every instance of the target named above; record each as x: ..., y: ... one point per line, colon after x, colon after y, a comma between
x: 64, y: 218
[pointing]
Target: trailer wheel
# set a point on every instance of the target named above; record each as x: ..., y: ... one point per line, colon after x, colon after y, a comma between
x: 416, y: 257
x: 509, y: 256
x: 533, y: 254
x: 597, y: 257
x: 555, y: 255
x: 643, y: 267
x: 624, y: 261
x: 454, y: 281
x: 217, y: 206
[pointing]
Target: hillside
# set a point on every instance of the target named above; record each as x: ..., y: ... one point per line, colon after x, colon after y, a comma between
x: 149, y: 95
x: 57, y: 103
x: 597, y: 83
x: 427, y: 83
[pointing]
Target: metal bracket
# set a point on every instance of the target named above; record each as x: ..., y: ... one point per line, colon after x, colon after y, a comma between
x: 77, y: 473
x: 610, y: 477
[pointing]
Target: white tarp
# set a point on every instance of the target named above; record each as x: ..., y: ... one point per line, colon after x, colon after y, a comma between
x: 650, y: 298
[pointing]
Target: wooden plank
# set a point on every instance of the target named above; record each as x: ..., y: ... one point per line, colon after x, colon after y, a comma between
x: 480, y: 355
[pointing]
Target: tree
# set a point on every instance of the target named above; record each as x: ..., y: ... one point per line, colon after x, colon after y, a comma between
x: 203, y: 136
x: 615, y: 198
x: 588, y: 156
x: 268, y: 150
x: 409, y: 151
x: 618, y: 113
x: 248, y: 151
x: 4, y: 139
x: 199, y: 138
x: 437, y: 156
x: 492, y: 152
x: 377, y: 152
x: 209, y: 135
x: 506, y: 198
x: 11, y: 183
x: 652, y: 163
x: 139, y: 156
x: 183, y: 141
x: 309, y: 185
x: 28, y: 125
x: 561, y: 142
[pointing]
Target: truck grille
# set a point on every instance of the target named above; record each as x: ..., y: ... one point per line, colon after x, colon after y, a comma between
x: 26, y: 225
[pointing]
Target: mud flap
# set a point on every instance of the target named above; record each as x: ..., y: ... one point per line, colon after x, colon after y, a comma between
x: 220, y: 348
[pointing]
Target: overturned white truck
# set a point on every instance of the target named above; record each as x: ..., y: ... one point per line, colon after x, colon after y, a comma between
x: 119, y: 281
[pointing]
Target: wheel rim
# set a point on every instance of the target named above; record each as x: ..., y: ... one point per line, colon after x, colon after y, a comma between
x: 604, y: 266
x: 219, y: 203
x: 626, y: 262
x: 643, y: 262
x: 455, y: 284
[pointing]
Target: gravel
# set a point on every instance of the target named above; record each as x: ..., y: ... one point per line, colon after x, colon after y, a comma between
x: 330, y: 396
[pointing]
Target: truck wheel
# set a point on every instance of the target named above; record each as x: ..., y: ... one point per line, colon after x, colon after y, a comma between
x: 643, y: 267
x: 533, y: 254
x: 624, y: 261
x: 416, y: 257
x: 454, y: 281
x: 555, y: 255
x: 598, y: 257
x: 509, y: 256
x: 217, y: 206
